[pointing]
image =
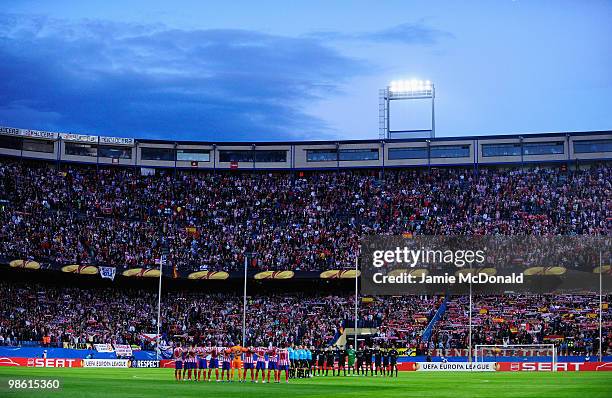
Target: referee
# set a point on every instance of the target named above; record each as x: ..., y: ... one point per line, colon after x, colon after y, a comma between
x: 292, y: 361
x: 301, y: 361
x: 309, y: 361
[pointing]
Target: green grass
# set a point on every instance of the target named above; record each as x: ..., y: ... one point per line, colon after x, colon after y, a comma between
x: 109, y: 383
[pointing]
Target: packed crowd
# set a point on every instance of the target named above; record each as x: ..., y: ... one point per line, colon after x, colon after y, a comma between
x: 282, y: 319
x: 29, y: 312
x: 569, y: 321
x: 118, y: 216
x: 122, y: 217
x: 78, y: 316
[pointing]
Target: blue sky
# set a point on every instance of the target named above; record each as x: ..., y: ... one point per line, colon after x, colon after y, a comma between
x: 277, y: 70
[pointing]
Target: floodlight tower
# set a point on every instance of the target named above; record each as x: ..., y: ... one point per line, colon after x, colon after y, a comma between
x: 405, y: 90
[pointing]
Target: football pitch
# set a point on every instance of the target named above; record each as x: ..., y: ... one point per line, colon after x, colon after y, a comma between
x: 109, y: 383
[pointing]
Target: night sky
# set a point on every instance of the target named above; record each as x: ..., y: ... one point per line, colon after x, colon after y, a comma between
x: 278, y: 70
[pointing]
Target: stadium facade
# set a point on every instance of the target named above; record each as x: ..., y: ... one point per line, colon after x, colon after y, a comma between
x: 564, y: 147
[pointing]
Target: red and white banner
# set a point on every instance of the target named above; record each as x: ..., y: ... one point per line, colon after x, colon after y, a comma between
x: 42, y: 362
x: 166, y: 363
x: 149, y: 336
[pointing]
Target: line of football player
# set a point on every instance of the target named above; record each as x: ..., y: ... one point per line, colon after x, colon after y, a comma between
x: 197, y: 362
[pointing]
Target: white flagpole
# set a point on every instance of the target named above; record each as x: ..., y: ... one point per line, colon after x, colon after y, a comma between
x: 162, y: 260
x: 470, y: 325
x: 600, y: 308
x: 244, y: 301
x: 356, y: 299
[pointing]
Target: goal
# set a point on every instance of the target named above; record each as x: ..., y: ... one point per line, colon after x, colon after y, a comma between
x: 522, y: 352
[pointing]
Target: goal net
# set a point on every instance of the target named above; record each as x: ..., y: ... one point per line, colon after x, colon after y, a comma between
x: 521, y: 352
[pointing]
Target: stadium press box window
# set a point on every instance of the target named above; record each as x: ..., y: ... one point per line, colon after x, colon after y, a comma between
x: 543, y: 148
x: 321, y: 155
x: 115, y: 152
x: 271, y: 156
x: 591, y: 146
x: 38, y: 146
x: 77, y: 149
x: 10, y: 142
x: 450, y: 151
x: 261, y: 156
x: 438, y: 151
x: 236, y: 156
x: 358, y: 154
x: 408, y: 153
x: 196, y: 155
x: 157, y: 153
x: 491, y: 150
x: 332, y: 155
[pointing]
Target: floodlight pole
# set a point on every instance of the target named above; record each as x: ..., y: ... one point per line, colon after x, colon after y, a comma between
x: 433, y: 112
x: 387, y: 117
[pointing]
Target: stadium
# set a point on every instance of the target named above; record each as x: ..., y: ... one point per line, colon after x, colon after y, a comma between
x: 86, y: 225
x: 196, y: 199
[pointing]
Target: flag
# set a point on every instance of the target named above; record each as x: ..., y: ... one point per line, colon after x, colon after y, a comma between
x: 108, y: 272
x: 149, y: 336
x: 166, y: 351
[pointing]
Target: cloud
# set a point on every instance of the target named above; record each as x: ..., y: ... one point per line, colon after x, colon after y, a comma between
x: 103, y: 77
x: 418, y: 33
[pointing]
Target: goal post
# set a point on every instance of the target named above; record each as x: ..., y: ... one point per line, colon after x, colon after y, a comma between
x: 533, y: 352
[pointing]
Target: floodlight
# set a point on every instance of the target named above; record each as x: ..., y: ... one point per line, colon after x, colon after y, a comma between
x: 401, y: 90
